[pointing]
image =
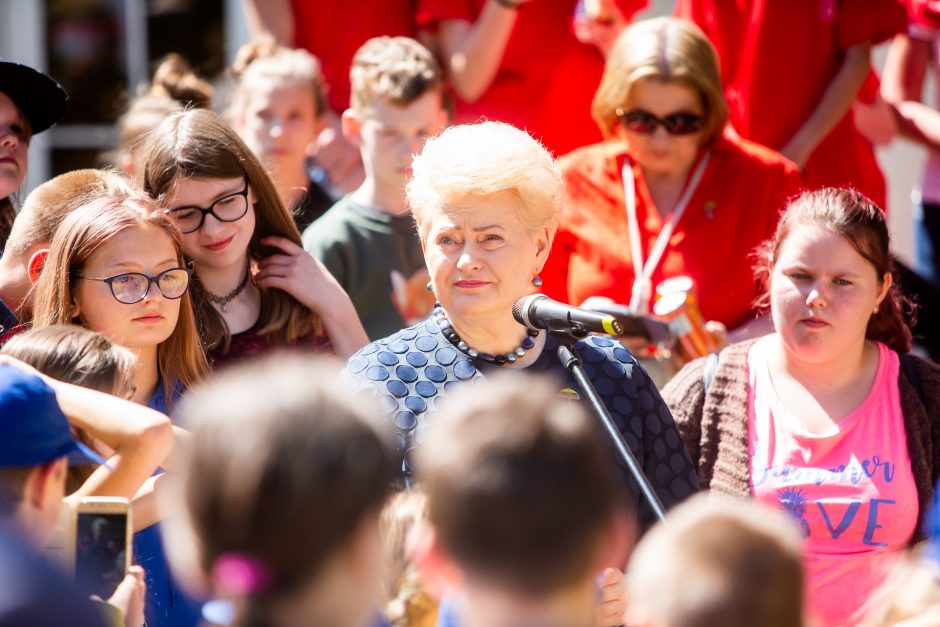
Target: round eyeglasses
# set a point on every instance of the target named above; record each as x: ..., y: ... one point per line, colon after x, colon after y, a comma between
x: 228, y: 208
x: 680, y: 123
x: 132, y: 287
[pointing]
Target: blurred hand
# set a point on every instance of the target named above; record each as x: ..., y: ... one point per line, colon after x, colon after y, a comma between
x: 719, y: 333
x: 612, y: 601
x: 339, y: 158
x: 130, y: 597
x: 600, y: 25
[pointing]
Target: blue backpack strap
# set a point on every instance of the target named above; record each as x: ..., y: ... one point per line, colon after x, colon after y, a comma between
x: 909, y: 368
x: 708, y: 374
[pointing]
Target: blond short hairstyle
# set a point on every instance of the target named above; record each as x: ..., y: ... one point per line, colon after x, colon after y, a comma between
x: 719, y: 563
x: 664, y: 49
x: 48, y: 204
x: 398, y: 69
x: 484, y: 160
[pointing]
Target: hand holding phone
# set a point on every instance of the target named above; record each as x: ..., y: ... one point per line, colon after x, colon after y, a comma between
x: 102, y: 544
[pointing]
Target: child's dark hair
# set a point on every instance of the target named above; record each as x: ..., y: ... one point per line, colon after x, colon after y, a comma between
x: 282, y: 468
x: 520, y: 486
x: 846, y: 212
x: 74, y: 354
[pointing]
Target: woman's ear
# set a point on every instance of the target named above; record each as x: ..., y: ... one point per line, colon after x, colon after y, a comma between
x: 543, y: 243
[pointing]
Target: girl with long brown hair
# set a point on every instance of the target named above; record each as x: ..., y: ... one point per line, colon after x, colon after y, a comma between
x: 254, y: 286
x: 116, y: 266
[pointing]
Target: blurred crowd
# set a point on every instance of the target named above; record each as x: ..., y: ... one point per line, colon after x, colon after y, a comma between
x: 321, y: 343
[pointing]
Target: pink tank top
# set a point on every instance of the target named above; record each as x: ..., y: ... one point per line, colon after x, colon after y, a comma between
x: 850, y: 491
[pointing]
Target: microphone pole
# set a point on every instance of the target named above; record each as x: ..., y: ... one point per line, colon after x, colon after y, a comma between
x: 571, y: 360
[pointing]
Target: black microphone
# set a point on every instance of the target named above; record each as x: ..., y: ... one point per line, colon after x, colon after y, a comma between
x: 538, y: 311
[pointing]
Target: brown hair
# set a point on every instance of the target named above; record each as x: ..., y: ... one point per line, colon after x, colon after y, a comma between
x: 283, y: 465
x: 407, y: 604
x: 846, y: 212
x: 180, y: 358
x: 398, y: 69
x: 718, y: 564
x: 199, y: 144
x: 663, y: 49
x: 174, y: 87
x: 506, y: 457
x: 265, y: 59
x: 12, y: 488
x: 50, y: 202
x: 76, y: 355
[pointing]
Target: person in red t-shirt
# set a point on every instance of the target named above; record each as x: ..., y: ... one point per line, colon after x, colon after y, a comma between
x: 791, y: 71
x: 524, y: 62
x: 661, y: 107
x: 332, y: 31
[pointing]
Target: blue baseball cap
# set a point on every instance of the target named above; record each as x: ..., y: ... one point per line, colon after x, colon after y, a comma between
x: 33, y: 429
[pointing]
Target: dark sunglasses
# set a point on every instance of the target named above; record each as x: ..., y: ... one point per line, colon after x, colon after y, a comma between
x: 228, y: 208
x: 680, y: 123
x: 132, y: 287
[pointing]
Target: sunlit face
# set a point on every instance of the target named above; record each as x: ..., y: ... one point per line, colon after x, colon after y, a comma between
x: 145, y: 249
x: 481, y: 256
x: 279, y: 122
x: 219, y: 245
x: 388, y: 136
x: 14, y: 144
x: 659, y: 152
x: 822, y: 294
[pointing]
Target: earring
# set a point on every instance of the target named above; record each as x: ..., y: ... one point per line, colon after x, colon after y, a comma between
x: 430, y: 287
x: 537, y: 281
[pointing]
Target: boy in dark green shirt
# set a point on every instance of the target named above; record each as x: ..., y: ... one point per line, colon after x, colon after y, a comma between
x: 367, y: 240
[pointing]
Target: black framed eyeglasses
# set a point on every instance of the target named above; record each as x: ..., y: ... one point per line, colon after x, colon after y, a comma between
x: 132, y: 287
x: 228, y: 208
x: 679, y: 123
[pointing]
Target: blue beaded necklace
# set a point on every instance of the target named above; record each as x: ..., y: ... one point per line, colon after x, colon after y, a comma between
x: 454, y: 338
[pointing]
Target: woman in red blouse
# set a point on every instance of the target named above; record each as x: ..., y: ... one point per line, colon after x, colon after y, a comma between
x: 669, y: 193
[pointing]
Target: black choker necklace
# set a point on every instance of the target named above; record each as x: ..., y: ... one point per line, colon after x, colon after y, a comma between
x: 223, y: 301
x: 451, y: 334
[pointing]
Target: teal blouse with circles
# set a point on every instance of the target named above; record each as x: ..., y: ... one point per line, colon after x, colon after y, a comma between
x: 413, y: 370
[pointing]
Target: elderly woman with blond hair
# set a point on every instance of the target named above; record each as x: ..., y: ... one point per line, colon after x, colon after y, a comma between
x: 485, y: 198
x: 670, y: 192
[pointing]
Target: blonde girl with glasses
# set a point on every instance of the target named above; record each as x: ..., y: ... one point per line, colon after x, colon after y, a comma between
x: 254, y: 287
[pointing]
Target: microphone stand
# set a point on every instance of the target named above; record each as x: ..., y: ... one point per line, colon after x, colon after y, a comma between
x: 568, y: 334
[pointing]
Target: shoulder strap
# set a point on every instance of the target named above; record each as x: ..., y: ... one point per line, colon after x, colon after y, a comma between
x: 708, y: 374
x: 909, y: 368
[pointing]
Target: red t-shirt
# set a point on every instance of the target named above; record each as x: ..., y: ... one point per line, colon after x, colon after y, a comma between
x: 777, y: 59
x: 547, y: 78
x: 334, y: 31
x: 734, y: 208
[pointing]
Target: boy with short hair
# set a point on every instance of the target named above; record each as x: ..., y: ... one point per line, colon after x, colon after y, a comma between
x: 524, y: 509
x: 717, y: 563
x: 26, y: 249
x: 368, y: 239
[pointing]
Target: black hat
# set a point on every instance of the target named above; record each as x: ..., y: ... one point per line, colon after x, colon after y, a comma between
x: 42, y: 100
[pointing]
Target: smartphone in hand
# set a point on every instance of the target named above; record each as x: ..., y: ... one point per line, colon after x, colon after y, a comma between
x: 102, y: 544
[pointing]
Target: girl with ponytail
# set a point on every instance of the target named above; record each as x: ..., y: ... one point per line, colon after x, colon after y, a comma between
x: 828, y: 418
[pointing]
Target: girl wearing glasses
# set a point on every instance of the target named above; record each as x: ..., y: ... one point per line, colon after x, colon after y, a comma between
x: 670, y: 193
x: 254, y: 287
x: 116, y: 266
